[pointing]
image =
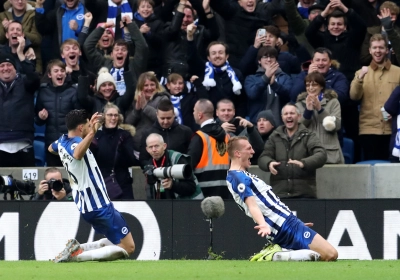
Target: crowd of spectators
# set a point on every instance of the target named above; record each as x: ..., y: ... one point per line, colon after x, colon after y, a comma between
x: 148, y: 64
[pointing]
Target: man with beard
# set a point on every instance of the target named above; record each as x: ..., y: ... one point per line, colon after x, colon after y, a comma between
x: 293, y: 154
x: 221, y: 80
x: 120, y: 52
x: 19, y: 48
x: 54, y: 101
x: 63, y: 23
x: 373, y: 85
x: 208, y: 151
x: 23, y: 12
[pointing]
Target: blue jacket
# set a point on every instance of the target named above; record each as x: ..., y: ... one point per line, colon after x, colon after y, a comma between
x: 334, y: 80
x: 288, y: 62
x: 77, y: 14
x: 261, y: 98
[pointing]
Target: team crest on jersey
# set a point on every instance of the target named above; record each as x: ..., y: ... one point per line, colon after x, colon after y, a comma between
x: 73, y: 146
x: 307, y: 234
x: 80, y: 16
x: 124, y: 230
x: 241, y: 187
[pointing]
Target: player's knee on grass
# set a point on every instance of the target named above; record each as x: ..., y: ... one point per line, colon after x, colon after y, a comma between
x: 127, y: 244
x: 131, y: 248
x: 330, y: 255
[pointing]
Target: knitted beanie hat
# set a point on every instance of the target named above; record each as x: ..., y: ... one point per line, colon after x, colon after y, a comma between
x: 104, y: 76
x: 267, y: 114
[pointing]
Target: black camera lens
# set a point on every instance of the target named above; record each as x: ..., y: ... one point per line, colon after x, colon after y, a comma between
x: 56, y: 185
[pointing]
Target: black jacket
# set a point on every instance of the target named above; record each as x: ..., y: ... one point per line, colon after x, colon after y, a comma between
x: 177, y: 138
x: 108, y: 156
x: 154, y: 40
x: 17, y: 107
x: 241, y: 26
x: 346, y: 47
x: 97, y: 102
x: 28, y: 63
x: 58, y: 101
x: 187, y: 101
x: 176, y: 49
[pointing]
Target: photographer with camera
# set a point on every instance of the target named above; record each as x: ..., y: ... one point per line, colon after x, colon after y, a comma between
x: 169, y: 173
x: 53, y: 187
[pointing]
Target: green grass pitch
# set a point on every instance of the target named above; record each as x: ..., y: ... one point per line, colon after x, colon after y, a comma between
x: 197, y: 269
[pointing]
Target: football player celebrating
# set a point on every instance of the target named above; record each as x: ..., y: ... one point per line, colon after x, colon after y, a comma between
x: 274, y: 218
x: 90, y: 194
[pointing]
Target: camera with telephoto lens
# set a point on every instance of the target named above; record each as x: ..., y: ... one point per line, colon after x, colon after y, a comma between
x: 177, y: 171
x: 9, y: 185
x: 54, y: 184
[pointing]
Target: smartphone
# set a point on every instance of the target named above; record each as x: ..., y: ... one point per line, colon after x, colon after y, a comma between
x: 235, y: 122
x: 196, y: 22
x: 261, y: 32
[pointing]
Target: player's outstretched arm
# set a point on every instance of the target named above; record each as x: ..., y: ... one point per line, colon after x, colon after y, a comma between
x: 263, y: 227
x: 80, y: 150
x: 50, y: 149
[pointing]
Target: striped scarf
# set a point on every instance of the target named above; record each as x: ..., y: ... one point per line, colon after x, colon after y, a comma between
x: 113, y: 12
x: 118, y: 75
x: 209, y: 81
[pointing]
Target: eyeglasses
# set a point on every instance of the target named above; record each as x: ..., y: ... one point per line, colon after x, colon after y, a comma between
x: 112, y: 115
x: 312, y: 84
x: 266, y: 57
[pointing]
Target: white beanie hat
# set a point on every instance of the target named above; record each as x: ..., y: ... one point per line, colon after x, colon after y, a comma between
x: 104, y: 76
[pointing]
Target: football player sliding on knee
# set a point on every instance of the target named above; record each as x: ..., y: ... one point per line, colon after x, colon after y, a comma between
x: 275, y: 220
x: 90, y: 194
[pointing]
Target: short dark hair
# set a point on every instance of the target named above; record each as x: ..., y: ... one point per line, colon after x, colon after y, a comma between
x: 121, y: 42
x: 151, y: 2
x: 165, y: 105
x: 337, y: 14
x: 315, y: 77
x: 75, y: 118
x: 15, y: 21
x: 273, y: 30
x: 323, y: 51
x: 267, y: 51
x: 217, y: 43
x: 194, y: 14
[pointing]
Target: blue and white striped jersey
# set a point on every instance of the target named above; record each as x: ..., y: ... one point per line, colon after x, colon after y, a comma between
x: 88, y: 187
x: 243, y: 184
